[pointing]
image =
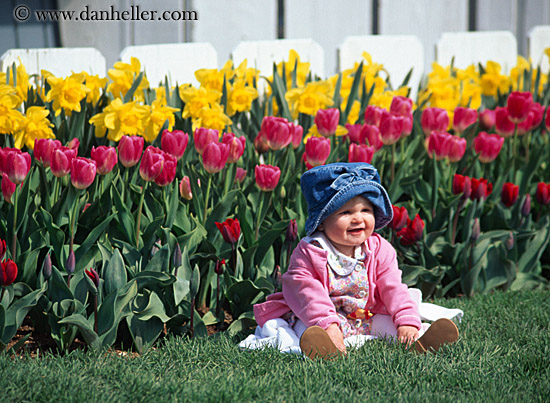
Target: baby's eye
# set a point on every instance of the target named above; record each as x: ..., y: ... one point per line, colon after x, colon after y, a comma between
x: 344, y: 212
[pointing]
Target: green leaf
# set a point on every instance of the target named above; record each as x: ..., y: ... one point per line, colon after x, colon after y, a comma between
x: 242, y: 295
x: 144, y: 332
x: 279, y: 92
x: 221, y: 211
x: 160, y: 260
x: 57, y: 236
x: 195, y: 281
x: 58, y: 290
x: 130, y: 94
x: 530, y: 259
x: 148, y: 305
x: 86, y: 330
x: 153, y: 278
x: 125, y: 218
x: 90, y: 240
x: 354, y: 91
x: 114, y: 273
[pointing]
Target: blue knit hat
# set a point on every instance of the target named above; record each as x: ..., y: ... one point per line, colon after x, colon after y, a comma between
x: 328, y: 187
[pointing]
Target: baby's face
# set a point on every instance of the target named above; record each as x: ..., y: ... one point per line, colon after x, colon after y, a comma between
x: 350, y: 225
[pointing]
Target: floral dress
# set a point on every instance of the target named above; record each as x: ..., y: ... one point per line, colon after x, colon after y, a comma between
x: 349, y: 287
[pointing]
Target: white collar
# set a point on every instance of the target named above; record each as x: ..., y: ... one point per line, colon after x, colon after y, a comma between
x: 338, y: 262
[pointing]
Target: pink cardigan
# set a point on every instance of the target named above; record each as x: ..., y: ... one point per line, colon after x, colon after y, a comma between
x: 306, y: 288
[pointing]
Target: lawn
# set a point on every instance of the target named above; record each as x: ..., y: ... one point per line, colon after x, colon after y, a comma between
x: 503, y: 355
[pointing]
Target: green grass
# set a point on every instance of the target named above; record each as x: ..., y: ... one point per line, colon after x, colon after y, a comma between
x: 503, y: 355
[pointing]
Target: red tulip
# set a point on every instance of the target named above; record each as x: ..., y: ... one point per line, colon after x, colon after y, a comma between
x: 438, y: 144
x: 43, y: 149
x: 543, y: 193
x: 151, y: 163
x: 503, y: 125
x: 354, y: 132
x: 402, y: 106
x: 373, y: 115
x: 371, y: 134
x: 214, y: 157
x: 17, y: 165
x: 240, y: 174
x: 317, y: 151
x: 391, y: 128
x: 267, y: 177
x: 2, y: 248
x: 230, y: 230
x: 60, y: 162
x: 236, y: 146
x: 168, y: 172
x: 463, y: 117
x: 185, y: 188
x: 434, y: 119
x: 326, y: 121
x: 92, y: 275
x: 8, y: 272
x: 83, y: 172
x: 518, y: 105
x: 360, y: 153
x: 481, y: 189
x: 105, y: 159
x: 487, y: 119
x: 400, y: 218
x: 456, y: 148
x: 203, y: 137
x: 488, y: 146
x: 547, y: 120
x: 291, y: 231
x: 129, y: 150
x: 510, y: 193
x: 260, y: 143
x: 412, y: 233
x: 297, y: 134
x: 174, y: 142
x: 526, y: 124
x: 537, y: 110
x: 8, y: 188
x: 277, y: 132
x: 462, y: 184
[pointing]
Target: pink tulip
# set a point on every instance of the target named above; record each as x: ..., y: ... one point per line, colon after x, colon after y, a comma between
x: 373, y: 115
x: 4, y: 152
x: 214, y: 157
x: 267, y: 177
x: 105, y: 159
x: 203, y: 137
x: 488, y: 146
x: 61, y: 159
x: 277, y: 132
x: 8, y: 188
x: 371, y: 135
x: 434, y: 119
x: 326, y: 121
x: 185, y: 188
x: 438, y: 144
x: 487, y: 119
x: 525, y: 125
x: 236, y: 146
x: 297, y: 134
x: 456, y: 148
x: 463, y: 117
x: 17, y: 165
x: 317, y: 151
x: 43, y: 149
x: 240, y: 174
x: 260, y: 143
x: 168, y: 172
x: 538, y: 114
x: 83, y: 171
x: 354, y: 132
x: 402, y: 106
x: 129, y: 150
x: 503, y: 125
x: 360, y: 153
x: 174, y: 142
x: 74, y: 144
x: 391, y: 128
x: 518, y: 105
x: 151, y: 163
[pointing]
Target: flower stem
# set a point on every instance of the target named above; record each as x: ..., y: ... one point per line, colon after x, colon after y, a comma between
x: 95, y: 313
x: 140, y: 207
x: 434, y: 185
x: 14, y: 229
x: 206, y: 200
x: 392, y: 162
x: 259, y: 214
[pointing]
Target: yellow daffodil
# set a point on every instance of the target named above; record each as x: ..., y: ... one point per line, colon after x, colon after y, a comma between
x: 159, y: 113
x: 95, y: 84
x: 309, y: 99
x: 212, y: 79
x: 314, y: 132
x: 23, y: 84
x: 120, y: 119
x: 66, y: 94
x: 34, y: 125
x: 302, y: 69
x: 212, y: 117
x: 10, y: 117
x: 354, y: 112
x: 196, y: 99
x: 240, y: 97
x: 248, y: 74
x: 492, y: 81
x: 123, y: 76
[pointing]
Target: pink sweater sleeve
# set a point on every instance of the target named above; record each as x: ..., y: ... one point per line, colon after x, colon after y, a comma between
x: 390, y: 290
x: 305, y: 287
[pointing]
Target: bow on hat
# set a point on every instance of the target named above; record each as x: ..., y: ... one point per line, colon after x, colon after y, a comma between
x: 355, y: 174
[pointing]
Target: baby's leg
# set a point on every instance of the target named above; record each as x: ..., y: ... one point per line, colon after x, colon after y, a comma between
x: 383, y: 326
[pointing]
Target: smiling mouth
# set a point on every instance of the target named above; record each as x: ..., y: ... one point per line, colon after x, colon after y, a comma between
x: 356, y: 231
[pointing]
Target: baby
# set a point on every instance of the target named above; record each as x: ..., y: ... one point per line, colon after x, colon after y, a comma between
x: 343, y: 278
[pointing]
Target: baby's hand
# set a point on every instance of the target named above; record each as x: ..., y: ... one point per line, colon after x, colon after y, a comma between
x: 407, y: 334
x: 337, y: 337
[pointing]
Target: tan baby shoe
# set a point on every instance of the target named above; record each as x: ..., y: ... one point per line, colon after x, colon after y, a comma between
x: 440, y: 332
x: 315, y: 342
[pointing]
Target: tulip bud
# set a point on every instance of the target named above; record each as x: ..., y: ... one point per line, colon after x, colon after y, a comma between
x: 434, y: 119
x: 185, y: 188
x: 47, y: 267
x: 105, y: 159
x: 510, y: 241
x: 475, y: 230
x: 214, y: 157
x: 267, y: 176
x: 92, y: 274
x: 174, y: 143
x: 155, y: 247
x: 543, y: 193
x: 8, y: 272
x: 526, y: 206
x: 291, y: 231
x: 2, y: 248
x: 69, y: 266
x: 83, y: 171
x: 168, y: 172
x: 177, y: 258
x: 219, y: 267
x: 17, y: 166
x: 8, y: 188
x: 282, y: 192
x: 240, y: 174
x: 230, y: 230
x: 518, y: 105
x: 236, y: 146
x: 129, y: 150
x: 326, y: 121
